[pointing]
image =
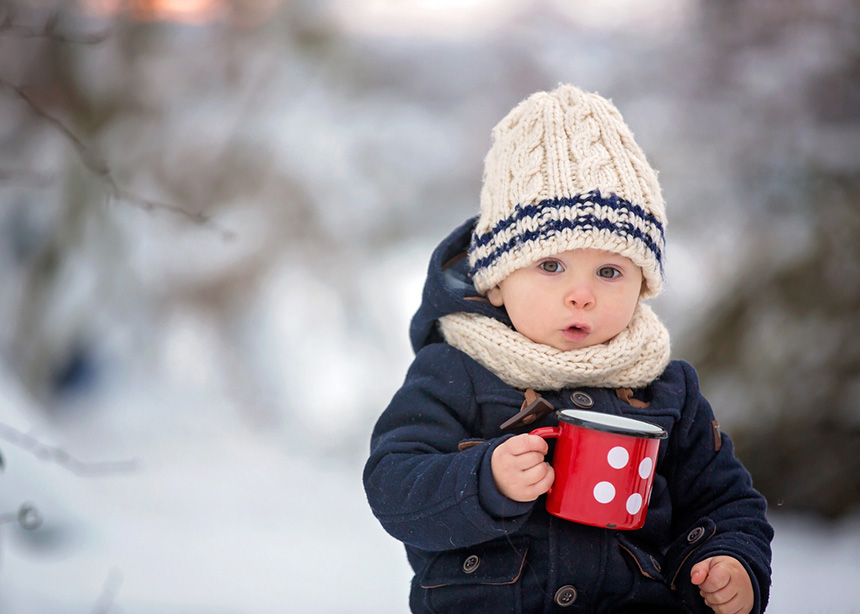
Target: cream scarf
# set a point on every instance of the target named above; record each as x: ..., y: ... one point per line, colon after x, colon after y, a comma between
x: 632, y: 359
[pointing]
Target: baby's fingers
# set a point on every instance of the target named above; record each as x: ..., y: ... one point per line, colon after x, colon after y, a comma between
x: 538, y: 480
x: 718, y: 579
x: 525, y: 444
x: 530, y: 460
x: 724, y: 585
x: 710, y: 576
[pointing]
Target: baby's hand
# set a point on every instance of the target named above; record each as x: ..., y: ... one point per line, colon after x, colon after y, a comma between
x: 724, y: 584
x: 519, y: 469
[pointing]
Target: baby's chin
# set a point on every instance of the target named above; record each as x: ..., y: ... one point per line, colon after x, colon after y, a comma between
x: 566, y: 345
x: 569, y: 343
x: 567, y: 340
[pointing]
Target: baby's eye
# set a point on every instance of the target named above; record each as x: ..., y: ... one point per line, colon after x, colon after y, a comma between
x: 551, y: 266
x: 608, y: 272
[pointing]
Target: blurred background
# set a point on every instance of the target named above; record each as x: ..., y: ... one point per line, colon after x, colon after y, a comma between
x: 215, y: 219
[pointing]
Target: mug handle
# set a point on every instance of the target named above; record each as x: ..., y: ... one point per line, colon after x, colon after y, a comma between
x: 547, y: 432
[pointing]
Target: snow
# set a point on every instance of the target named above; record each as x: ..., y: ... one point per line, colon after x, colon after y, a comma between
x: 233, y: 455
x: 210, y: 515
x: 815, y: 564
x: 214, y: 518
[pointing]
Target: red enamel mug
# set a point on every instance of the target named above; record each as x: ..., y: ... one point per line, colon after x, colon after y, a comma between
x: 604, y: 468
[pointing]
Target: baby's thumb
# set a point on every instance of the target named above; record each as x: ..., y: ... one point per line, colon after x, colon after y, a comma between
x: 699, y: 573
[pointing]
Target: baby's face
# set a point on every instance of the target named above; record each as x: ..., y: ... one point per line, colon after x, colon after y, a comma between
x: 571, y: 300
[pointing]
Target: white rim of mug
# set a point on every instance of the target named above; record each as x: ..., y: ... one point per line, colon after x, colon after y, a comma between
x: 610, y: 423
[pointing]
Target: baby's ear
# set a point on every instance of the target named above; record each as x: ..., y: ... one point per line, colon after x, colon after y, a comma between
x: 494, y: 295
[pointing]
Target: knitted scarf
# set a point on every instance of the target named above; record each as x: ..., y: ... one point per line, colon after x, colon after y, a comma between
x: 632, y: 359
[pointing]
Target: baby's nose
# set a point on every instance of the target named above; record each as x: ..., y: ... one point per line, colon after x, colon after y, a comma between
x: 580, y: 295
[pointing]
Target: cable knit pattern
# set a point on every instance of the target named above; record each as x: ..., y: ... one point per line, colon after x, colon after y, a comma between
x: 564, y: 172
x: 632, y: 359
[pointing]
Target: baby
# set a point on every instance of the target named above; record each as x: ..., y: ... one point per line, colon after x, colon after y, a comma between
x: 535, y: 304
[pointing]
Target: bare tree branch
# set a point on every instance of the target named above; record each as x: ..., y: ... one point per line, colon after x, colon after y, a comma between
x: 99, y: 167
x: 49, y: 30
x: 111, y: 587
x: 61, y: 457
x: 25, y: 177
x: 27, y: 516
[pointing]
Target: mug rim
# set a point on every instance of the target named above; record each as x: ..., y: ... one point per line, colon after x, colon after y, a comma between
x: 611, y: 423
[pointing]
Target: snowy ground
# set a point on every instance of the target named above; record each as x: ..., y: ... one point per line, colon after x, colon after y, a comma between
x: 216, y: 518
x: 815, y: 566
x: 214, y: 521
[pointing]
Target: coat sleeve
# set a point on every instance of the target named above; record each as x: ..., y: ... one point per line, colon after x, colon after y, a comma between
x: 424, y: 491
x: 716, y: 509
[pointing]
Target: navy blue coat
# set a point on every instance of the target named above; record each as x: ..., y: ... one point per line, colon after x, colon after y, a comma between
x: 474, y: 550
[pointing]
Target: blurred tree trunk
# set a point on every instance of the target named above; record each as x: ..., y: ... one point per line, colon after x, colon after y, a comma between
x: 785, y: 341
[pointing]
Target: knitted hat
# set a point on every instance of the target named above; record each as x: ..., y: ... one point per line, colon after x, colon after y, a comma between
x: 564, y: 173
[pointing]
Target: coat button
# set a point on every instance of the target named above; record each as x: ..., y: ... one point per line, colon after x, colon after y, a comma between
x: 695, y: 535
x: 655, y: 563
x: 581, y: 399
x: 471, y: 563
x: 565, y: 596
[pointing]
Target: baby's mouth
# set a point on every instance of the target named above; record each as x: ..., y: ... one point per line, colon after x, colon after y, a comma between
x: 576, y: 332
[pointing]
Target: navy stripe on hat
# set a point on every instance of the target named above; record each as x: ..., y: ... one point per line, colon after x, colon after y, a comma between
x: 646, y: 225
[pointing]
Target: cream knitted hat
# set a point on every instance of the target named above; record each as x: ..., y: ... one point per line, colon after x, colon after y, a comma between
x: 564, y: 173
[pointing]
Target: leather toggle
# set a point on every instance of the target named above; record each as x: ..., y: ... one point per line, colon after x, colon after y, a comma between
x: 626, y: 395
x: 469, y: 443
x: 534, y: 408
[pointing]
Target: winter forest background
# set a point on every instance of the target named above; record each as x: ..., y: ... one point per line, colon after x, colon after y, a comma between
x: 215, y: 218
